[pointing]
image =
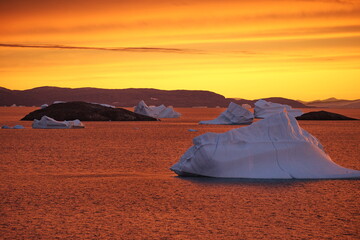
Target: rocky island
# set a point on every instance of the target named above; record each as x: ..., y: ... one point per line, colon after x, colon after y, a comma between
x: 86, y: 112
x: 323, y: 115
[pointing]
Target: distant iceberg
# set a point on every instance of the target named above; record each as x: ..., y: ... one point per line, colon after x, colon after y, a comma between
x: 49, y: 123
x: 193, y: 130
x: 15, y: 127
x: 156, y: 112
x: 57, y: 102
x: 101, y: 104
x: 234, y: 114
x: 273, y: 148
x: 105, y: 105
x: 264, y: 109
x: 246, y: 106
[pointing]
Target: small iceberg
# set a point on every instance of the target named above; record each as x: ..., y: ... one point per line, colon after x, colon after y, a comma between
x: 57, y: 102
x: 193, y: 130
x: 273, y: 148
x: 264, y: 109
x: 234, y: 114
x: 246, y: 106
x: 49, y: 123
x: 15, y: 127
x: 156, y: 112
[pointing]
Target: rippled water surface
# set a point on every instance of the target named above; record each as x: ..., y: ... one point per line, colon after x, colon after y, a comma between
x: 111, y: 180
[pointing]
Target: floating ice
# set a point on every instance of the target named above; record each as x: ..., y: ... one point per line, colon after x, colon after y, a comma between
x: 264, y: 109
x: 193, y: 130
x: 15, y: 127
x: 104, y: 105
x: 246, y: 106
x: 273, y: 148
x: 234, y: 114
x: 49, y: 123
x: 57, y: 102
x: 156, y: 112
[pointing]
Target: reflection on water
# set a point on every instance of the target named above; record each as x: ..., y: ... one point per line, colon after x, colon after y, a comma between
x: 112, y: 181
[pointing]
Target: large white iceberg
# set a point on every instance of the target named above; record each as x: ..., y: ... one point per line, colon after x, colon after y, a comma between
x: 234, y: 114
x: 49, y: 123
x: 156, y: 112
x: 264, y: 109
x: 273, y: 148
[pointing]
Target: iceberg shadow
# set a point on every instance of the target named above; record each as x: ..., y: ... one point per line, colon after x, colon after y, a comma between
x: 208, y: 181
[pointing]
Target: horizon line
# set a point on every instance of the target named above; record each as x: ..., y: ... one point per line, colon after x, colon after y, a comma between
x: 236, y: 98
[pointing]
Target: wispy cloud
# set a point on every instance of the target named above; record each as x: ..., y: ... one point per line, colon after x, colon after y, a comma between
x: 119, y: 49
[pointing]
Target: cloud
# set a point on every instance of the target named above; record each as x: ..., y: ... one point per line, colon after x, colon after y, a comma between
x: 119, y: 49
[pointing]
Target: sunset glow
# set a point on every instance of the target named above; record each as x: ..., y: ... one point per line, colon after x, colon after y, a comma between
x: 299, y: 49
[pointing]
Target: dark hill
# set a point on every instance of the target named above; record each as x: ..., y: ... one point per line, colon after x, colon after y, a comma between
x: 125, y: 97
x: 86, y: 112
x: 323, y: 115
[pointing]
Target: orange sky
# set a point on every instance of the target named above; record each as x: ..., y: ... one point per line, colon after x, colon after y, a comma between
x: 299, y: 49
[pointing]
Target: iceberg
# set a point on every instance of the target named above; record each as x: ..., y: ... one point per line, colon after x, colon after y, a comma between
x: 15, y: 127
x: 272, y: 148
x: 56, y: 102
x: 193, y: 130
x: 49, y: 123
x: 104, y: 105
x: 246, y: 106
x: 234, y: 114
x: 156, y: 112
x: 264, y: 109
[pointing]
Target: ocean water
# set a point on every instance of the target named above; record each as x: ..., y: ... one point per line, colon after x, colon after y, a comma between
x: 111, y: 180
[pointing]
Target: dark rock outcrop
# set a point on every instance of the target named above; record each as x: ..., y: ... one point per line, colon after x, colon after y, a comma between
x: 323, y: 115
x: 86, y: 112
